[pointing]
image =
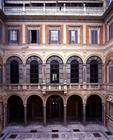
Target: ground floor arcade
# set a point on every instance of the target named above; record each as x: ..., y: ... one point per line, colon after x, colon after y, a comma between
x: 53, y: 110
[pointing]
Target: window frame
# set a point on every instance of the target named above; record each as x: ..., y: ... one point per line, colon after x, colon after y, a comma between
x: 98, y: 35
x: 37, y: 29
x: 54, y: 71
x: 110, y: 64
x: 76, y: 68
x: 108, y: 31
x: 57, y: 41
x: 11, y: 33
x: 14, y: 73
x: 78, y: 33
x: 96, y: 80
x: 34, y: 68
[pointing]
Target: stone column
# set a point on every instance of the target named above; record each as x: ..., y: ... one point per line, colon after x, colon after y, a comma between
x: 64, y: 69
x: 44, y: 115
x: 25, y: 114
x: 24, y: 73
x: 103, y: 113
x: 84, y: 113
x: 65, y: 114
x: 43, y: 73
x: 3, y: 74
x: 104, y: 79
x: 107, y: 113
x: 84, y: 73
x: 84, y: 76
x: 5, y: 115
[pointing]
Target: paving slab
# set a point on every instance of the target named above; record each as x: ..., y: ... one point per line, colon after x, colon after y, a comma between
x: 57, y: 132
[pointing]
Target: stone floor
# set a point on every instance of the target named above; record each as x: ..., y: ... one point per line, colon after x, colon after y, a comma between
x: 57, y: 132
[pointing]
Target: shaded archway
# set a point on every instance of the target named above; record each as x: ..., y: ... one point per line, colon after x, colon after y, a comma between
x: 74, y: 108
x: 55, y: 109
x: 15, y: 110
x: 94, y: 108
x: 34, y: 109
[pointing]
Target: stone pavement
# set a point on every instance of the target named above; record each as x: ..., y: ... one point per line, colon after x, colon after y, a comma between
x: 57, y: 132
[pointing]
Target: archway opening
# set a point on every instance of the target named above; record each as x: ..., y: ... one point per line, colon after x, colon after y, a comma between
x: 94, y: 108
x: 34, y: 109
x: 74, y: 108
x: 55, y: 109
x: 15, y: 110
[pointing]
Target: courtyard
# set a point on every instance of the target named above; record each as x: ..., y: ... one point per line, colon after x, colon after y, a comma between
x: 57, y: 132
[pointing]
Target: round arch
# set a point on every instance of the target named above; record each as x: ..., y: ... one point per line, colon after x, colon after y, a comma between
x: 16, y: 58
x: 34, y: 109
x: 94, y: 108
x: 34, y: 55
x: 31, y: 58
x: 54, y: 55
x: 74, y: 108
x: 15, y: 109
x: 94, y: 56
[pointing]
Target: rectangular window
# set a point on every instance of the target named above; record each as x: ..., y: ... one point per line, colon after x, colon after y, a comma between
x: 33, y: 36
x: 94, y: 36
x: 13, y: 36
x: 111, y: 31
x: 0, y: 33
x: 111, y: 74
x: 54, y: 36
x: 73, y: 37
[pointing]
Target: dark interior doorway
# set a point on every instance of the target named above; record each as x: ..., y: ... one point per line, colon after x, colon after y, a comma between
x: 15, y: 110
x: 74, y: 108
x: 55, y: 108
x: 94, y: 108
x: 34, y: 109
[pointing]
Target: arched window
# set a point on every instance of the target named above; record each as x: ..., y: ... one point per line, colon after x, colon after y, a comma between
x: 54, y: 71
x: 34, y: 72
x: 14, y: 72
x: 74, y: 71
x: 110, y: 72
x: 93, y: 71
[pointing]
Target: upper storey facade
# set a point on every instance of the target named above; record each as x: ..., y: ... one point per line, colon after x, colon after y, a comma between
x: 56, y: 7
x: 69, y: 23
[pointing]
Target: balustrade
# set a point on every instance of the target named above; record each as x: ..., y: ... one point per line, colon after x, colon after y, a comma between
x: 56, y: 87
